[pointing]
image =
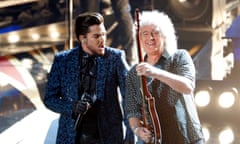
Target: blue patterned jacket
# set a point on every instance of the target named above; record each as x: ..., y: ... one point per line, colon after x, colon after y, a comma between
x: 62, y: 93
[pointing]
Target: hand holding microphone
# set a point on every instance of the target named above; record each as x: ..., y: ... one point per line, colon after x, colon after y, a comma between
x: 83, y: 105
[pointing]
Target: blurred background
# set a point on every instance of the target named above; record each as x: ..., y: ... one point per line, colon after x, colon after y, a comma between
x: 32, y: 31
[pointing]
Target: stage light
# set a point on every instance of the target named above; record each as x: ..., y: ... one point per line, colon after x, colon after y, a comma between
x: 220, y: 119
x: 206, y: 133
x: 226, y: 136
x: 35, y: 36
x: 190, y: 10
x: 226, y: 100
x: 55, y: 34
x: 202, y: 98
x: 13, y: 38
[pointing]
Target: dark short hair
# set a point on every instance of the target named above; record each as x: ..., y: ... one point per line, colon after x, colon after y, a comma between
x: 85, y: 20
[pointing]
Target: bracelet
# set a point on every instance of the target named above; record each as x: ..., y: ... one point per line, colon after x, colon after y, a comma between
x: 135, y: 128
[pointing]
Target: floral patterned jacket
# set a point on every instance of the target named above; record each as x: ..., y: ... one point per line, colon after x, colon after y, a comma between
x: 62, y: 93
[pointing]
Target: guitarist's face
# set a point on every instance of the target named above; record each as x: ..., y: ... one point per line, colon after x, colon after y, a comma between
x: 151, y: 39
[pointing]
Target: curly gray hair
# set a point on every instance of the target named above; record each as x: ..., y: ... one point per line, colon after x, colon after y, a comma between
x: 164, y: 25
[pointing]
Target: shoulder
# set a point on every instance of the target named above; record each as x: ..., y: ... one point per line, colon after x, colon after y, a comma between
x: 66, y: 54
x: 182, y: 51
x: 181, y: 54
x: 113, y: 53
x: 180, y: 58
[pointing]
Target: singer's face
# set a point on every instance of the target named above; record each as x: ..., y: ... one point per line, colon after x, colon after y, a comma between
x: 94, y: 41
x: 151, y: 39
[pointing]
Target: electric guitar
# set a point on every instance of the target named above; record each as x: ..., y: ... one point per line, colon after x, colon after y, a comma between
x: 150, y: 117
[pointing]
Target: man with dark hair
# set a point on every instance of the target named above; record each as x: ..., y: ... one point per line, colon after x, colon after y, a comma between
x: 123, y: 37
x: 83, y: 87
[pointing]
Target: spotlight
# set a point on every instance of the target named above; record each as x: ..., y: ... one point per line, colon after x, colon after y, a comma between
x: 227, y: 98
x: 219, y: 117
x: 226, y: 136
x: 206, y: 133
x: 13, y: 38
x: 35, y: 36
x: 202, y: 98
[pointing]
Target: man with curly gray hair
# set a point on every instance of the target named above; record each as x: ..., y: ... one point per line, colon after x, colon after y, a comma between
x: 170, y: 76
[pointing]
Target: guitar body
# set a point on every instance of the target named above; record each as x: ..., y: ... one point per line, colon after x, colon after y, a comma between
x: 150, y: 116
x: 154, y: 122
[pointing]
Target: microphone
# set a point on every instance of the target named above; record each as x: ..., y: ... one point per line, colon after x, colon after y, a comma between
x: 78, y: 121
x: 80, y: 116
